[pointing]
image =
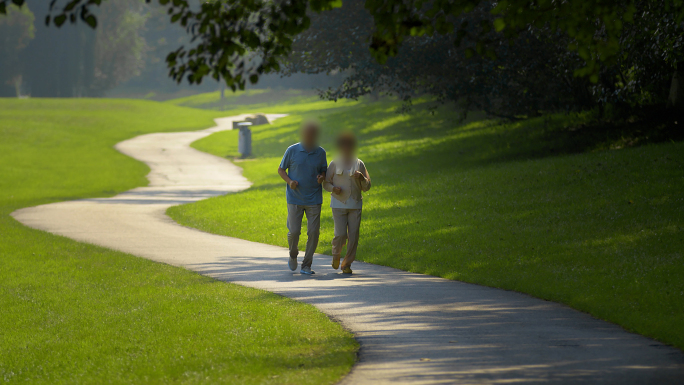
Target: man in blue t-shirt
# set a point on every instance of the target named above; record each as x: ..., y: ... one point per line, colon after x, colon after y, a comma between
x: 303, y: 168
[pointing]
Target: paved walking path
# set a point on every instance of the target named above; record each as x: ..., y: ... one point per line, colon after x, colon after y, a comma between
x: 412, y: 328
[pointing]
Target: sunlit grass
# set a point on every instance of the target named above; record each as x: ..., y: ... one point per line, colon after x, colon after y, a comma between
x: 214, y: 98
x: 76, y: 313
x: 298, y: 102
x: 526, y: 206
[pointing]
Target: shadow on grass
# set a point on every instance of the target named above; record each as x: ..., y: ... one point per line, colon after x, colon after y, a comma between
x: 494, y: 203
x: 476, y: 141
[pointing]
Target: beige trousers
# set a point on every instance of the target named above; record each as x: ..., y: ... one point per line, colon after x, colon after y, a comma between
x: 294, y: 225
x: 347, y: 225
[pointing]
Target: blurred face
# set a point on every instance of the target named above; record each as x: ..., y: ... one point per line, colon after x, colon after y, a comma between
x: 346, y: 148
x: 310, y: 132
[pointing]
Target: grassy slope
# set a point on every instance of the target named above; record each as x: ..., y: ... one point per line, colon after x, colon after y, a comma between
x: 272, y: 101
x: 76, y: 313
x: 526, y: 206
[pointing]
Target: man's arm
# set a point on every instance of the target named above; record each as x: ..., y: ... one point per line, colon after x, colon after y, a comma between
x: 283, y: 174
x: 284, y: 163
x: 320, y: 178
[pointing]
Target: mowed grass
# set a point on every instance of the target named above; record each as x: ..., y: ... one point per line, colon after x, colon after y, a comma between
x: 76, y: 313
x: 305, y: 104
x: 529, y: 206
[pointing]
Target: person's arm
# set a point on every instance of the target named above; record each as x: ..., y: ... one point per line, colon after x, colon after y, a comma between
x: 282, y: 170
x: 322, y: 169
x: 327, y: 183
x: 363, y: 177
x: 283, y: 174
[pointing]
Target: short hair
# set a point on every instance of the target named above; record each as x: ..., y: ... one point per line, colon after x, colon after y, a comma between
x: 311, y: 124
x: 346, y: 139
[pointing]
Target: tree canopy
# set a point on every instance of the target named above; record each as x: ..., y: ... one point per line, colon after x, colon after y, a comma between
x: 118, y: 47
x: 37, y: 60
x: 16, y: 31
x: 588, y: 50
x: 526, y: 74
x: 236, y: 40
x: 594, y: 27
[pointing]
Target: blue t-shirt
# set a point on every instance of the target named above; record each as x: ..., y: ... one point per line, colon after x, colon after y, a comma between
x: 304, y: 166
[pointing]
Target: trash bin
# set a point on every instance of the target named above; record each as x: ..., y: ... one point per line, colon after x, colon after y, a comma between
x: 244, y: 139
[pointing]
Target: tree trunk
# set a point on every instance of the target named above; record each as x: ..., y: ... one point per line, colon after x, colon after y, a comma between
x: 676, y: 99
x: 17, y: 85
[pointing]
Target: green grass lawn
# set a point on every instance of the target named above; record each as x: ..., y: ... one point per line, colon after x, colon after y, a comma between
x: 536, y: 206
x: 305, y: 104
x: 77, y: 313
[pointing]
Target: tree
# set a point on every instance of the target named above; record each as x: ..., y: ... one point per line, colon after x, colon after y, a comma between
x: 526, y: 74
x: 522, y: 76
x: 595, y: 27
x: 119, y: 48
x: 239, y: 40
x: 160, y: 39
x: 59, y: 63
x: 80, y: 61
x: 16, y: 31
x: 235, y: 40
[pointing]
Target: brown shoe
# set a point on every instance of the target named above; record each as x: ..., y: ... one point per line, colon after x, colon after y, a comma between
x: 336, y: 262
x: 347, y: 270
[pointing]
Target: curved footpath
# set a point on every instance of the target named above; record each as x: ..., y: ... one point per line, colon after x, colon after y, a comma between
x: 412, y: 328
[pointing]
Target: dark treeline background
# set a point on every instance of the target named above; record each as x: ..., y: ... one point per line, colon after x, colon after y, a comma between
x: 528, y: 74
x: 531, y: 73
x: 124, y: 56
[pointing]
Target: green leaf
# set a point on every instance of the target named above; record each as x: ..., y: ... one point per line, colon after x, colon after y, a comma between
x: 500, y: 7
x: 70, y: 6
x: 416, y: 31
x: 324, y: 5
x: 499, y: 25
x: 91, y: 21
x: 59, y: 20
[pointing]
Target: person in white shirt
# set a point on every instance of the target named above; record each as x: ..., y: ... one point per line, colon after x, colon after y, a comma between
x: 346, y: 178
